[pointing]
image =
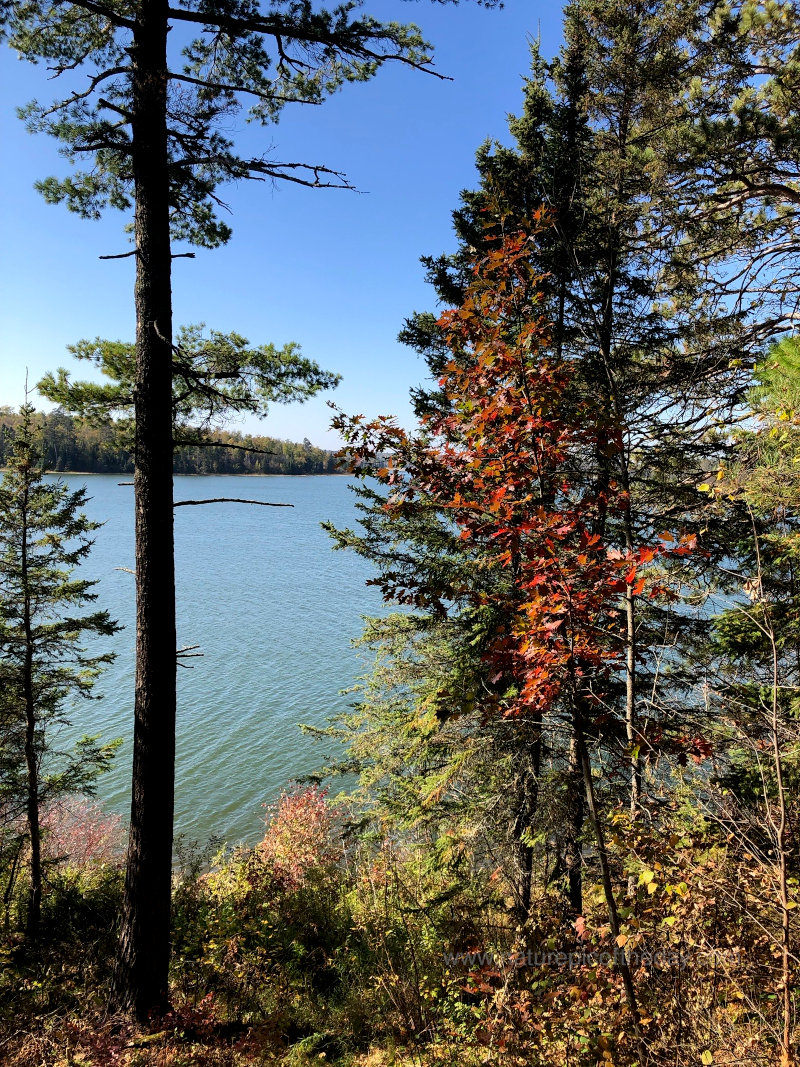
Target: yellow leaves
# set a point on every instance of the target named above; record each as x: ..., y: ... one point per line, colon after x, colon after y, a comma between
x: 681, y: 889
x: 707, y: 1057
x: 622, y: 940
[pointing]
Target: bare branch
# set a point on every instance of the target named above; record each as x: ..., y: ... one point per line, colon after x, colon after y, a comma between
x: 187, y: 652
x: 102, y: 102
x: 93, y: 83
x: 219, y: 444
x: 229, y: 500
x: 277, y: 170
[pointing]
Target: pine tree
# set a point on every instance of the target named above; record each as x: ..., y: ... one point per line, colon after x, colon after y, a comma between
x: 44, y: 535
x: 153, y: 125
x: 214, y: 376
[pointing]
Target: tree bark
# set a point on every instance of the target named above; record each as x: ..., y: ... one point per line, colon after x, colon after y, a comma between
x: 141, y: 975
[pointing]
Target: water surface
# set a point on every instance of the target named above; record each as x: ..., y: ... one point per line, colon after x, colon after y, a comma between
x: 274, y: 610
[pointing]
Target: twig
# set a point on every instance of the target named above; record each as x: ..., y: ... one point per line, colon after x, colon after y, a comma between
x: 187, y: 652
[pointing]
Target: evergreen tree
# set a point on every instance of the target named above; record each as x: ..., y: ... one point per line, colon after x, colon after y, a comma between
x: 214, y: 377
x: 43, y: 537
x: 154, y: 126
x: 632, y: 311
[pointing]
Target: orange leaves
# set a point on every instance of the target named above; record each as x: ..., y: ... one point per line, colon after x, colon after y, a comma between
x: 502, y: 460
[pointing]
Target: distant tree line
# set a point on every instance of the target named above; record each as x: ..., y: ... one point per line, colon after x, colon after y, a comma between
x: 71, y: 444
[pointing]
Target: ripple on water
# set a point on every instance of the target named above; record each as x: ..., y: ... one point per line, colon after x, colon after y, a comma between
x: 274, y: 610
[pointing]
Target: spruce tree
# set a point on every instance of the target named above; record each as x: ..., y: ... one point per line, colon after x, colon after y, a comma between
x: 44, y: 536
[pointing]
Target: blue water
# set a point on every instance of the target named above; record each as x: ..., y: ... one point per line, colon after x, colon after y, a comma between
x: 274, y: 610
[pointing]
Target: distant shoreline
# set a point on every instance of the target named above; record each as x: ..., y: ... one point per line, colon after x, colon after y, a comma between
x: 210, y: 474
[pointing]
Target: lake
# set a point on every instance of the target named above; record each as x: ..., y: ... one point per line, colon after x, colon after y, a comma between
x: 274, y: 610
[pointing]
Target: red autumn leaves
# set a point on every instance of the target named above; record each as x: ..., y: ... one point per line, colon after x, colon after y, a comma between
x: 520, y: 459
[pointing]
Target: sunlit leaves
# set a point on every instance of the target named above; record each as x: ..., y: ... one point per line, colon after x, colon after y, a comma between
x: 502, y: 460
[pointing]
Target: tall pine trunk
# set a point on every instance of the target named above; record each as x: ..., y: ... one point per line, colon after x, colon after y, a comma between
x: 620, y: 955
x: 143, y: 955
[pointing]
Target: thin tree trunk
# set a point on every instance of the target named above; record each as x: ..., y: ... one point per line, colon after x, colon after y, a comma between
x: 631, y: 718
x: 621, y: 958
x: 779, y: 827
x: 573, y: 858
x: 34, y: 829
x: 141, y: 976
x: 783, y: 874
x: 525, y: 813
x: 31, y: 762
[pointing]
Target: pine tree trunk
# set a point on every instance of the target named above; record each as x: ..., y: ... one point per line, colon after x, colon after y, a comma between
x: 141, y: 974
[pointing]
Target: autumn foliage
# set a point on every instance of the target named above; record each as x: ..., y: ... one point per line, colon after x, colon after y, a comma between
x: 505, y: 458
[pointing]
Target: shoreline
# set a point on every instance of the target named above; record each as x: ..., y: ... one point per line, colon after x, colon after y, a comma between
x: 241, y: 474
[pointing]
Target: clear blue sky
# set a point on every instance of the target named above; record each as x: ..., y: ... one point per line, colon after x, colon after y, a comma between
x: 337, y: 272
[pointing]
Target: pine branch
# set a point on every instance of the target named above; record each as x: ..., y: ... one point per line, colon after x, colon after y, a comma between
x: 234, y: 88
x: 105, y: 12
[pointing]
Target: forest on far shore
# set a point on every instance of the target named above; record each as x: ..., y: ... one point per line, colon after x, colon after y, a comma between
x: 72, y: 444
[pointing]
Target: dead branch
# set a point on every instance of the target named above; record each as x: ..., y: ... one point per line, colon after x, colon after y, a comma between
x: 229, y: 500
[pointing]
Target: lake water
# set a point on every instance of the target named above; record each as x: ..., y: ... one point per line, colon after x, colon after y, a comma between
x: 274, y: 610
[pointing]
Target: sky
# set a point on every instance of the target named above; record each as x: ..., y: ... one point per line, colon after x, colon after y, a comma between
x: 337, y: 272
